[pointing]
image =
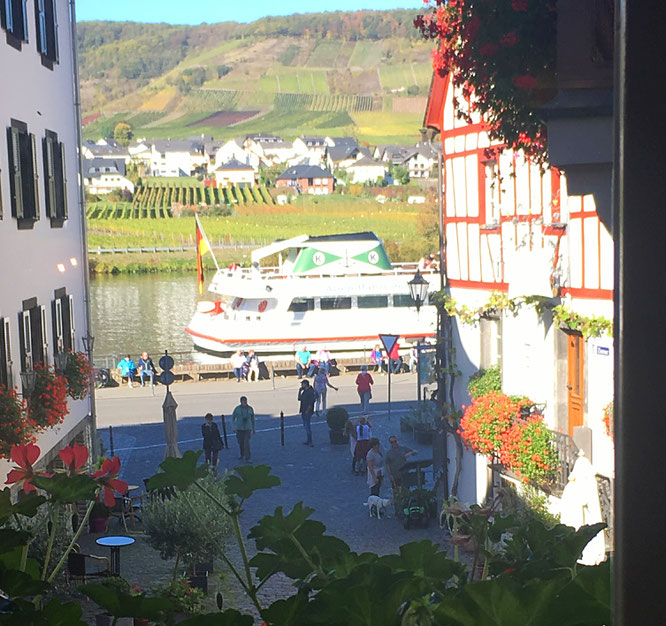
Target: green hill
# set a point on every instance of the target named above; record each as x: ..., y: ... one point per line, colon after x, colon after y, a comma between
x: 363, y: 73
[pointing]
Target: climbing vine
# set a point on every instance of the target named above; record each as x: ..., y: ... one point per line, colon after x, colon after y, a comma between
x: 588, y: 326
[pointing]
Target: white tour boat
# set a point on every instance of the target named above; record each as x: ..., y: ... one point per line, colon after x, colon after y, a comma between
x: 336, y: 291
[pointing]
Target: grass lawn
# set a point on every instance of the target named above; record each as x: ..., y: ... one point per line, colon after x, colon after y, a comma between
x: 367, y: 54
x: 375, y: 126
x: 324, y: 54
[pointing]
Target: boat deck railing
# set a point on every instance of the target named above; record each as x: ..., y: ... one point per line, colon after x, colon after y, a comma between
x: 274, y: 272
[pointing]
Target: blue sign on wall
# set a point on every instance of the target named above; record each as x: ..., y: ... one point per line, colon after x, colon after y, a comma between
x: 603, y: 350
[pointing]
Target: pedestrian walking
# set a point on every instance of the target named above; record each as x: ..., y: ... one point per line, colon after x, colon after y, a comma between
x: 321, y: 384
x: 242, y: 420
x: 364, y: 384
x: 375, y: 462
x: 212, y: 442
x: 306, y: 396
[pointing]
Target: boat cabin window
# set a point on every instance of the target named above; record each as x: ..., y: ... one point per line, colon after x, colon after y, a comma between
x: 372, y: 302
x: 326, y: 304
x: 299, y: 305
x: 403, y: 300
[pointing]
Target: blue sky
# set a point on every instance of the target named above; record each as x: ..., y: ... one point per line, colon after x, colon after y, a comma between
x: 212, y: 11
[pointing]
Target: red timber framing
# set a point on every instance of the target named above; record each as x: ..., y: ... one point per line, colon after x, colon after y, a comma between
x: 497, y: 202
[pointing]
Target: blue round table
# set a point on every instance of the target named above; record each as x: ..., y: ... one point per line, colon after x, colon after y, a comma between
x: 115, y: 542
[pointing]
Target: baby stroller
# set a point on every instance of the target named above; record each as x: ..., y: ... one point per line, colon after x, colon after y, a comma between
x: 418, y: 507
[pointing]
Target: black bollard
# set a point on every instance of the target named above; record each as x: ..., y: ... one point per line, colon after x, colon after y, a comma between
x: 111, y: 440
x: 224, y: 431
x: 282, y: 428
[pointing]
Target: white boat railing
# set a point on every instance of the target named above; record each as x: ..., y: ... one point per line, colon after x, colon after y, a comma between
x: 273, y: 272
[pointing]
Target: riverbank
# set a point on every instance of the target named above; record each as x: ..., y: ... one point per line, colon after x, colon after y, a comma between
x: 163, y: 262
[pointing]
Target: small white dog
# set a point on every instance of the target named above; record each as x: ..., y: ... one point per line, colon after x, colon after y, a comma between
x: 377, y: 506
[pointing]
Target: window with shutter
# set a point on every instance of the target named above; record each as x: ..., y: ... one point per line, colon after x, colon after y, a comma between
x: 5, y: 354
x: 58, y: 339
x: 23, y: 179
x: 44, y: 336
x: 72, y: 328
x: 55, y: 183
x: 26, y: 341
x: 14, y: 19
x: 46, y: 26
x: 63, y: 322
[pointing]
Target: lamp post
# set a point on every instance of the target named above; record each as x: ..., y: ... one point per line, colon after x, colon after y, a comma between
x: 60, y: 362
x: 418, y: 289
x: 88, y: 345
x: 28, y: 382
x: 444, y: 337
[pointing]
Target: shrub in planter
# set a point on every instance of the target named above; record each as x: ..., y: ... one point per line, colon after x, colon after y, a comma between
x: 98, y: 517
x: 185, y: 598
x: 337, y: 418
x: 485, y: 381
x: 176, y: 532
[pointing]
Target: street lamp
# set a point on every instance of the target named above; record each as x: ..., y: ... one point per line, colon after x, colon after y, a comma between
x: 88, y: 343
x: 60, y: 362
x: 28, y: 381
x: 418, y: 288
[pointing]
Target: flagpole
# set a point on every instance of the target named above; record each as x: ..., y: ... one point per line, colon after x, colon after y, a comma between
x: 203, y: 234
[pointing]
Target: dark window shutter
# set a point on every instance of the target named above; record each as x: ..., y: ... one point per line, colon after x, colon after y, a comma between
x: 15, y: 178
x: 35, y: 177
x: 23, y: 4
x: 56, y: 325
x: 60, y: 181
x: 25, y: 340
x: 6, y: 15
x: 5, y: 353
x: 49, y: 177
x: 72, y: 326
x: 36, y: 345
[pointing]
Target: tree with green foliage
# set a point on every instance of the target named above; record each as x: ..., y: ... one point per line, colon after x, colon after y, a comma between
x: 122, y: 133
x: 399, y: 173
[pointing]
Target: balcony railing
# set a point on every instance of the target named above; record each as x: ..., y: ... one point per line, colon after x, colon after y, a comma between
x: 567, y: 453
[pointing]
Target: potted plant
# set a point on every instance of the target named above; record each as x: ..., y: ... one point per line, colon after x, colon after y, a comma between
x: 185, y: 599
x: 47, y: 404
x: 99, y: 516
x: 13, y: 426
x: 423, y: 420
x: 78, y: 375
x: 337, y: 418
x: 168, y: 524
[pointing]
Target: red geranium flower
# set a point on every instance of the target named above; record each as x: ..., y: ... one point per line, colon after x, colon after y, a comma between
x: 24, y: 456
x: 74, y: 457
x: 107, y: 478
x: 524, y: 81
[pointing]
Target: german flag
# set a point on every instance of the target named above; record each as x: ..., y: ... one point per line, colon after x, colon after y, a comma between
x: 202, y: 248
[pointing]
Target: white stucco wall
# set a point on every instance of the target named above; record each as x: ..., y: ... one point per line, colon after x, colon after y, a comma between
x: 43, y: 99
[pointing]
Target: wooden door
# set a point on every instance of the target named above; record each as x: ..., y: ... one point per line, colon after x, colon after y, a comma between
x: 575, y: 380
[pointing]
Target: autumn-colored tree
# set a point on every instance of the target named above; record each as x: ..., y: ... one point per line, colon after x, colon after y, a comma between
x: 122, y: 133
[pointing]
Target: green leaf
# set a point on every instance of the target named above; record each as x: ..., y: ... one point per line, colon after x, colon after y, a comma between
x: 28, y: 504
x: 121, y: 604
x: 179, y: 473
x: 59, y: 614
x: 285, y: 611
x: 12, y: 560
x: 499, y: 602
x: 250, y: 479
x: 11, y: 539
x: 16, y: 583
x: 67, y: 489
x: 230, y: 617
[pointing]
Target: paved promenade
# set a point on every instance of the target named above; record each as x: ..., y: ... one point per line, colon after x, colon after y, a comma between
x: 319, y: 476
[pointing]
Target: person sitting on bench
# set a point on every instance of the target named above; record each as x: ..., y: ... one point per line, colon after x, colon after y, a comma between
x: 127, y: 370
x: 146, y: 368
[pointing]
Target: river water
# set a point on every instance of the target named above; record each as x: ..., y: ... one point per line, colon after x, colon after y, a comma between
x: 136, y: 312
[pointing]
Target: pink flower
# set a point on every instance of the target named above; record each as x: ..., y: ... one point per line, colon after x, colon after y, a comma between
x: 108, y: 481
x: 524, y: 81
x: 74, y: 457
x: 24, y: 456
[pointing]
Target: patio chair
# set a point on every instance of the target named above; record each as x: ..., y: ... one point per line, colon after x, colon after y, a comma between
x: 82, y: 566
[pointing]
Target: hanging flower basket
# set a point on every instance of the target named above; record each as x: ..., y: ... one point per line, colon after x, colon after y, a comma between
x: 47, y: 405
x: 14, y: 430
x: 502, y: 58
x: 78, y: 375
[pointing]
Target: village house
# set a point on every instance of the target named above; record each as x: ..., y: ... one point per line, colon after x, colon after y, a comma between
x: 343, y: 152
x: 234, y: 150
x: 234, y: 173
x: 307, y: 179
x: 367, y: 170
x: 105, y: 150
x: 44, y: 286
x: 102, y: 176
x: 175, y: 157
x: 514, y: 229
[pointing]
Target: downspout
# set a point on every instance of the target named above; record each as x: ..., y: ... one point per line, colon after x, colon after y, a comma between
x: 82, y: 209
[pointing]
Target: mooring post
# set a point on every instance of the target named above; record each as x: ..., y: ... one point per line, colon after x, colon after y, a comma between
x: 273, y: 377
x: 111, y: 440
x: 224, y: 431
x: 282, y: 428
